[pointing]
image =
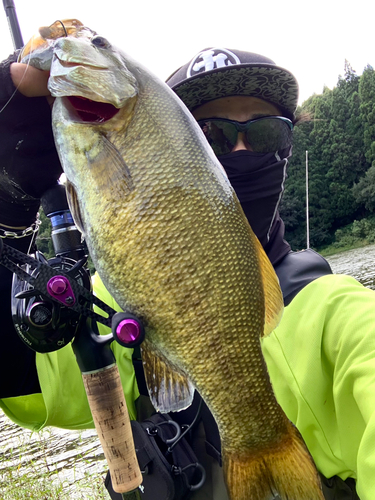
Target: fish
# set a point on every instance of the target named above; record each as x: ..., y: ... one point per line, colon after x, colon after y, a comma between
x: 171, y: 243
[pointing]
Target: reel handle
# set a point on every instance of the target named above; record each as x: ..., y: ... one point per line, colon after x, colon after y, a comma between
x: 108, y: 407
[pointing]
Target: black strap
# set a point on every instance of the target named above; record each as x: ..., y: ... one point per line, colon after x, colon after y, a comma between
x: 335, y: 488
x: 298, y: 269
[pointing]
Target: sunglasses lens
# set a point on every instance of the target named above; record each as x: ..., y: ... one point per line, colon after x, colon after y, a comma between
x: 221, y: 135
x: 269, y: 135
x: 264, y: 135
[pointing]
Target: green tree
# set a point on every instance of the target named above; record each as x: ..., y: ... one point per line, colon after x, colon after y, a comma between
x: 364, y: 190
x: 367, y: 110
x: 44, y: 239
x: 334, y: 139
x: 293, y: 205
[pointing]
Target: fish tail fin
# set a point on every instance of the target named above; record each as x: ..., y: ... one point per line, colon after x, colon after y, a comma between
x: 287, y: 470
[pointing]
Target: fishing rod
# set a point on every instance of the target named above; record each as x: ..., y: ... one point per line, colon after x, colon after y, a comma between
x: 14, y: 27
x: 52, y: 304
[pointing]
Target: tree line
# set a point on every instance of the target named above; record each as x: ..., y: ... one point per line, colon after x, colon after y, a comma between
x: 339, y: 135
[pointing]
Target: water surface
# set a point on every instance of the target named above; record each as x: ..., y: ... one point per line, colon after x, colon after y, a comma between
x: 359, y: 263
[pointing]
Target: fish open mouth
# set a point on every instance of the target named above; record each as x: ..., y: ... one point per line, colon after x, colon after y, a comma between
x: 92, y: 111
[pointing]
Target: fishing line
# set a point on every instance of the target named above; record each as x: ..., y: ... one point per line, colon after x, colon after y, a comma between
x: 18, y: 86
x: 62, y: 24
x: 34, y: 236
x: 28, y: 64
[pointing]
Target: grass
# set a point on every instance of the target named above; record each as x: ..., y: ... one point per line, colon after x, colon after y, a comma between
x: 359, y: 233
x: 332, y: 249
x: 46, y: 465
x: 47, y: 486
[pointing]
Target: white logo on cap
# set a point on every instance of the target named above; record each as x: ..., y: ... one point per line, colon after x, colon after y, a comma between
x: 211, y: 59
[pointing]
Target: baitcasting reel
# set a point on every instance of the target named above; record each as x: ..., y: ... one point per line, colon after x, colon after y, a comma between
x: 52, y: 299
x: 43, y: 324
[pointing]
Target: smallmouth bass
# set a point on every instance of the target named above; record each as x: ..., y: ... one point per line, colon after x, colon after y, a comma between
x: 170, y: 241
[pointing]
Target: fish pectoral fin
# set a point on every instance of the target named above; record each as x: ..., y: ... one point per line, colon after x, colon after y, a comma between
x: 274, y: 303
x: 109, y: 166
x: 168, y: 388
x: 73, y: 203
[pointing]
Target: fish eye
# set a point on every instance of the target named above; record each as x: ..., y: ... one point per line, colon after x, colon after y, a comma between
x: 100, y: 42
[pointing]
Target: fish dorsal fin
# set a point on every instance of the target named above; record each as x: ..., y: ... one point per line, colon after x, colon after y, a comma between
x: 169, y: 389
x: 274, y: 304
x: 73, y: 203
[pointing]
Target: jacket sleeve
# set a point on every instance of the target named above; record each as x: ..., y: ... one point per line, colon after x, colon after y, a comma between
x: 28, y: 157
x: 321, y: 360
x: 17, y: 362
x: 13, y: 106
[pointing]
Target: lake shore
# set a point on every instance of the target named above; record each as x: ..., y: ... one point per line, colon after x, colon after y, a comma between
x: 337, y: 248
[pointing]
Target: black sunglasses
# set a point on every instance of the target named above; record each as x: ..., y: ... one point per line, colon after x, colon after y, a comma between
x: 267, y: 134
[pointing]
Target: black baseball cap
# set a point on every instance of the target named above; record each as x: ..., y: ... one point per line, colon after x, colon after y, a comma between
x: 218, y: 72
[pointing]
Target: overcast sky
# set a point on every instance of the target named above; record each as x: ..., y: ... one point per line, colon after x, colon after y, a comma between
x: 311, y: 39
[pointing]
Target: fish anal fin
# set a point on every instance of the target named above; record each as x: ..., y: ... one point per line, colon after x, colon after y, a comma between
x: 169, y: 389
x: 274, y: 304
x: 286, y: 469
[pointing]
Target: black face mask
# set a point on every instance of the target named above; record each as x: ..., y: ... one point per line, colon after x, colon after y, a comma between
x: 258, y: 180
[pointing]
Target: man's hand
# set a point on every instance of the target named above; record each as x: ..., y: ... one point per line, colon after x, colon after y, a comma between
x: 30, y: 81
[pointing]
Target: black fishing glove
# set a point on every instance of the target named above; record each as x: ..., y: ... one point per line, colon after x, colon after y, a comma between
x: 29, y: 164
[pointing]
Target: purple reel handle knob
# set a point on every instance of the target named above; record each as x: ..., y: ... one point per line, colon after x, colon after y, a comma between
x: 127, y: 330
x: 60, y: 289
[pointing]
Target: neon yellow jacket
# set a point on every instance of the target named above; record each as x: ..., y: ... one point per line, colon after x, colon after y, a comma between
x: 63, y: 402
x: 321, y: 360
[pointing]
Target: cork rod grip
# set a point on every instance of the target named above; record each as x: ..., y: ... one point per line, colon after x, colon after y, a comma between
x: 112, y: 423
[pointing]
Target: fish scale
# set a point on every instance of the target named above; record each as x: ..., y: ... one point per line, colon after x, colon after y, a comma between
x: 170, y: 241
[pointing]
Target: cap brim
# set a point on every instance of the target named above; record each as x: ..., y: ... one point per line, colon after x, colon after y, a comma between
x: 265, y: 81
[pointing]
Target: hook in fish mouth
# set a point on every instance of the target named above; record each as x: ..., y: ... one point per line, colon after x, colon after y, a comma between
x: 90, y: 111
x: 62, y: 24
